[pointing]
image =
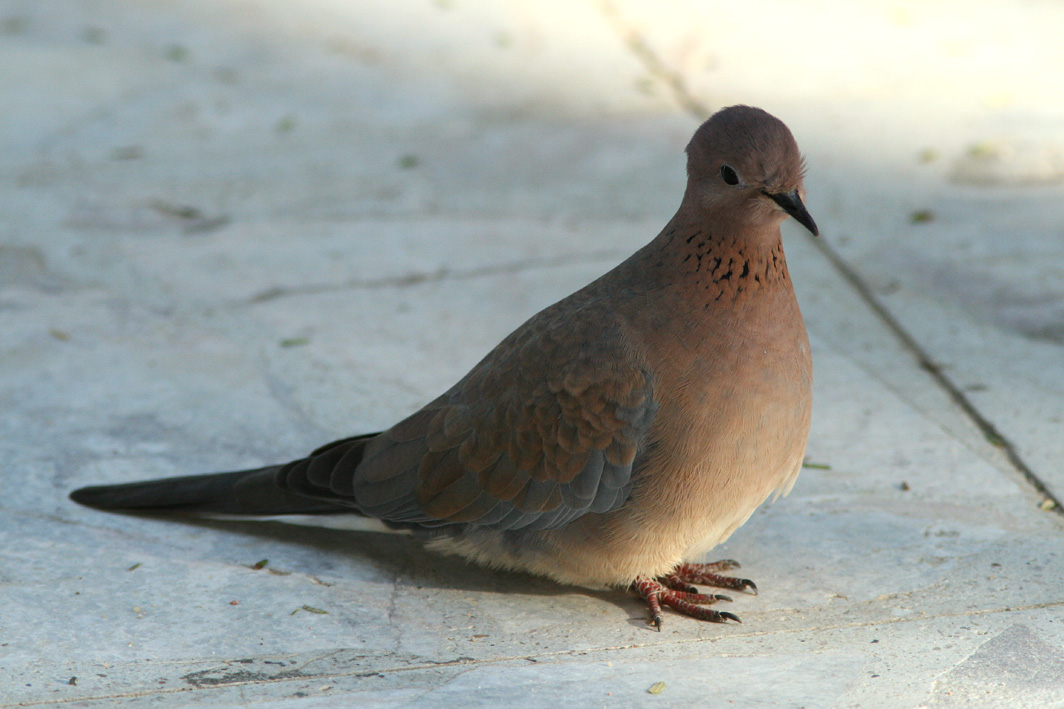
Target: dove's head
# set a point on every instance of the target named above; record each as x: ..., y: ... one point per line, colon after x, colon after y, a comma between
x: 744, y: 163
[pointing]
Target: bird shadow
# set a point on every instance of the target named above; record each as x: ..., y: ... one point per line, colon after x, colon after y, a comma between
x: 403, y: 556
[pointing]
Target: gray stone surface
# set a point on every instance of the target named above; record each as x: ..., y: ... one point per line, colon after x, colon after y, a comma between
x: 234, y: 231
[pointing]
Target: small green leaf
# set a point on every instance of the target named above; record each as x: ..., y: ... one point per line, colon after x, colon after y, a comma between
x: 179, y: 211
x: 310, y: 609
x: 127, y: 152
x: 176, y: 53
x: 983, y: 149
x: 13, y: 25
x: 94, y: 35
x: 657, y: 688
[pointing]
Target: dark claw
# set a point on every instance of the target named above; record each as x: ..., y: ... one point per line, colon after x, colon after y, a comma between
x: 748, y: 585
x: 722, y: 597
x: 656, y: 622
x: 727, y: 564
x: 730, y: 616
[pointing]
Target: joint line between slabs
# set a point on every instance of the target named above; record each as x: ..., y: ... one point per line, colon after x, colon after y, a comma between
x: 925, y: 362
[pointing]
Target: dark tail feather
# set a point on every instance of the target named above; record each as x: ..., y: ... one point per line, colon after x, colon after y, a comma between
x: 247, y: 492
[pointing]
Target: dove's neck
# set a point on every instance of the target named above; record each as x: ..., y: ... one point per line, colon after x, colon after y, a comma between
x: 713, y: 263
x: 702, y: 282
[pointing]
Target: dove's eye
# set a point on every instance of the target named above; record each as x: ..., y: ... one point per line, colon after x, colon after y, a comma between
x: 729, y: 175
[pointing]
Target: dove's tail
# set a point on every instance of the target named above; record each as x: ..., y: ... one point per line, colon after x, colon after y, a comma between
x: 244, y: 492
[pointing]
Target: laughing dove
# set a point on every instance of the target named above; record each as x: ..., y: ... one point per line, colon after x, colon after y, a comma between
x: 620, y: 432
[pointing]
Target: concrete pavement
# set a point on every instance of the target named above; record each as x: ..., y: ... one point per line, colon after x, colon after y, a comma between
x: 231, y: 232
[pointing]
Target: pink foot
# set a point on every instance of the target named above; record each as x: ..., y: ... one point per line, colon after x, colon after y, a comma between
x: 704, y: 575
x: 675, y: 591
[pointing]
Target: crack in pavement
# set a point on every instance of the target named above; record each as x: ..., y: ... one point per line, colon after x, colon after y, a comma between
x: 924, y: 360
x: 654, y: 65
x: 441, y: 274
x: 463, y: 662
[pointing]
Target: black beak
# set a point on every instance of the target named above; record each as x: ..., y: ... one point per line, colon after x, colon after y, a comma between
x: 791, y: 203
